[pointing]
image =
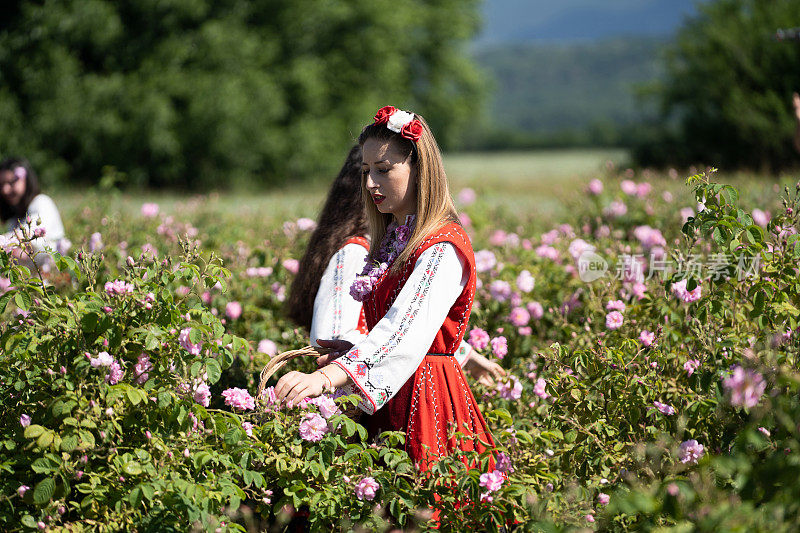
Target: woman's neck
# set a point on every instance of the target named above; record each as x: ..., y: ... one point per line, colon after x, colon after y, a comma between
x: 402, y: 219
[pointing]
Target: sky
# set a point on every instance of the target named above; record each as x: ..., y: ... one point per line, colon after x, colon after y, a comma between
x: 574, y: 20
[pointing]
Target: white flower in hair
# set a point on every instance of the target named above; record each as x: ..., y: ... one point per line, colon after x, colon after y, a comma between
x: 398, y: 120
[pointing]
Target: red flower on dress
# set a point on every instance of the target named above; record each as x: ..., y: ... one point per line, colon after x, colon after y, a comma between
x: 412, y: 130
x: 383, y: 114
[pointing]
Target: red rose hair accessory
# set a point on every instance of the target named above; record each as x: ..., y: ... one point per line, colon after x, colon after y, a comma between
x: 383, y: 114
x: 412, y: 130
x: 401, y: 122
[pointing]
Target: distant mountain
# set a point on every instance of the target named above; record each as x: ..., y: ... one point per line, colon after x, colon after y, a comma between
x: 579, y: 20
x: 581, y: 92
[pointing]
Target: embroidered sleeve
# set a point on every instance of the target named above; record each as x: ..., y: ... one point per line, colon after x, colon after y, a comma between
x: 395, y: 347
x: 462, y: 353
x: 336, y: 313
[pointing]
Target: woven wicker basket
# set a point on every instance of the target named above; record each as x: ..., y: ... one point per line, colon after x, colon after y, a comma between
x: 280, y: 360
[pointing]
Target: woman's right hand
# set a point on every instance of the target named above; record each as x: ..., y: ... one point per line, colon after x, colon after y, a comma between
x: 337, y: 349
x: 482, y: 369
x: 796, y: 103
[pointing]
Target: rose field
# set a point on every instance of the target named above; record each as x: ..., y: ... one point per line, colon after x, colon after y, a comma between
x: 649, y: 323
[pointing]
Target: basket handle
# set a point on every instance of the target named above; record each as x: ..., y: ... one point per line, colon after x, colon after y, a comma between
x: 278, y: 362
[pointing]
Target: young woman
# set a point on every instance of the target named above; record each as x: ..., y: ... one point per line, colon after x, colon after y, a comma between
x: 319, y: 298
x: 23, y: 205
x: 796, y: 104
x: 417, y: 292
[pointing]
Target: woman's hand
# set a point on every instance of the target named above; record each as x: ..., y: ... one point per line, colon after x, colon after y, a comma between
x: 295, y: 386
x: 337, y: 347
x: 482, y: 369
x: 796, y: 103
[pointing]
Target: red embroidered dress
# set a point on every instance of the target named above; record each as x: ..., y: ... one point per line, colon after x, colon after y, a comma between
x: 423, y: 394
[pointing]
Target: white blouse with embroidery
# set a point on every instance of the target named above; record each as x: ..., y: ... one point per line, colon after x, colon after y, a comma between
x: 336, y: 313
x: 393, y: 350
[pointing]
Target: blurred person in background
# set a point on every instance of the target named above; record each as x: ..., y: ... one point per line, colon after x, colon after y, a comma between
x: 22, y: 205
x: 796, y: 102
x: 319, y: 297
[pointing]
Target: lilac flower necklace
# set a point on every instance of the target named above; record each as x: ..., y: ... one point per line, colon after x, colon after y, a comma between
x: 392, y: 245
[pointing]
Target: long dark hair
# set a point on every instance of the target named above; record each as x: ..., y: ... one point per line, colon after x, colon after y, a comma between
x: 8, y: 211
x: 341, y: 217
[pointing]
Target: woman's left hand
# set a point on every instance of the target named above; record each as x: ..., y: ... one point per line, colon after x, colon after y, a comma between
x: 295, y: 386
x: 337, y: 349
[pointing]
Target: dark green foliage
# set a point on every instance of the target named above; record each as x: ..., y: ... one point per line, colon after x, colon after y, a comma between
x: 208, y: 93
x: 726, y: 99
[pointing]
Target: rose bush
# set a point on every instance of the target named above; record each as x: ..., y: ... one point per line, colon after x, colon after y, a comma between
x: 658, y: 393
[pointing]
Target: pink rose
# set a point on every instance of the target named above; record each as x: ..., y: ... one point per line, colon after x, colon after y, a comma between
x: 233, y: 310
x: 614, y: 320
x: 366, y: 489
x: 499, y: 346
x: 478, y: 338
x: 238, y: 398
x: 292, y: 265
x: 313, y: 427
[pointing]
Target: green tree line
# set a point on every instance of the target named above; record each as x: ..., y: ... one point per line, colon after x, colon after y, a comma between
x: 726, y: 97
x: 209, y: 93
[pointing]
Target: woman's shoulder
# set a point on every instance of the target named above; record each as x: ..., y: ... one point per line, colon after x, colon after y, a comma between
x: 451, y: 232
x: 357, y: 240
x: 41, y: 201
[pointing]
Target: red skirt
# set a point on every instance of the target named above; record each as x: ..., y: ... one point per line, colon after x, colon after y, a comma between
x: 429, y: 407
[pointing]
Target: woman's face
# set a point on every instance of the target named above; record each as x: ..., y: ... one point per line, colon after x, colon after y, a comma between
x: 12, y: 187
x: 390, y: 178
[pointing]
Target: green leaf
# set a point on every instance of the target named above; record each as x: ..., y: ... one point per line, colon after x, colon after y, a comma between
x: 786, y: 307
x: 43, y: 465
x: 213, y: 370
x: 148, y: 491
x: 4, y: 299
x: 89, y: 321
x: 730, y: 194
x: 758, y: 303
x: 202, y: 458
x: 151, y: 342
x: 235, y: 502
x: 33, y: 431
x: 132, y: 468
x: 87, y: 439
x: 23, y: 300
x: 69, y: 443
x: 164, y: 399
x: 44, y: 491
x: 45, y: 439
x: 136, y: 395
x: 233, y: 437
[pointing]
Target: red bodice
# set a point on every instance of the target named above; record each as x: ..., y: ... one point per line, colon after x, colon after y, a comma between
x: 385, y: 292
